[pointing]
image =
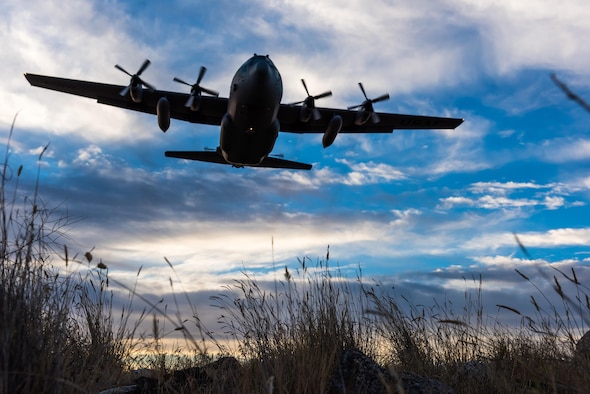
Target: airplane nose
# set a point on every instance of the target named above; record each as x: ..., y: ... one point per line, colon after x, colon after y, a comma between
x: 260, y: 71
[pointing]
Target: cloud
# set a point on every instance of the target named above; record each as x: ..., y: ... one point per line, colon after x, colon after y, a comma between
x: 561, y: 150
x: 79, y: 41
x: 357, y: 174
x: 530, y: 34
x: 551, y: 196
x: 504, y: 187
x: 552, y: 238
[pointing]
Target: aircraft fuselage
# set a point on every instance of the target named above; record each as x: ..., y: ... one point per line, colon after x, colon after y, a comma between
x: 250, y: 127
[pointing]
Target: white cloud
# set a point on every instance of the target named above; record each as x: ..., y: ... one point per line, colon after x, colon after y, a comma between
x: 554, y: 238
x: 531, y: 33
x: 554, y: 202
x: 81, y: 41
x: 504, y: 187
x: 498, y: 196
x: 561, y: 150
x: 557, y: 238
x: 360, y: 174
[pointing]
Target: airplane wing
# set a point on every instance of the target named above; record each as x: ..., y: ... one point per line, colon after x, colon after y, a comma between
x: 212, y: 109
x: 210, y: 112
x: 289, y: 119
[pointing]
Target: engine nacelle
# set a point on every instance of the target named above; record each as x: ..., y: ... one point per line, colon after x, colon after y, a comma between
x: 163, y: 111
x: 136, y: 92
x: 195, y: 101
x: 305, y: 114
x: 362, y: 116
x: 332, y: 131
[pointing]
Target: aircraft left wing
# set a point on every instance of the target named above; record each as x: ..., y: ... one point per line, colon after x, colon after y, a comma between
x: 210, y: 112
x: 289, y: 119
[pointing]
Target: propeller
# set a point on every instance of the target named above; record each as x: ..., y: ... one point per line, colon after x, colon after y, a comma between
x: 309, y: 101
x: 135, y: 78
x: 367, y: 105
x: 196, y: 88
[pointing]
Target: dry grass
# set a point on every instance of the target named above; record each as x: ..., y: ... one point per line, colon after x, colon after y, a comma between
x: 58, y: 332
x: 294, y: 335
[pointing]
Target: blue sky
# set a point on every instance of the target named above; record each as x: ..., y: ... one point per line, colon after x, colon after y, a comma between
x: 420, y: 210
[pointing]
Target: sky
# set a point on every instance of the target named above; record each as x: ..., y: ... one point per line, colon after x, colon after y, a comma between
x: 423, y: 211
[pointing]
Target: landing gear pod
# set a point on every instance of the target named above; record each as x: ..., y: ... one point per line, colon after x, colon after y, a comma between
x: 163, y: 111
x: 332, y: 131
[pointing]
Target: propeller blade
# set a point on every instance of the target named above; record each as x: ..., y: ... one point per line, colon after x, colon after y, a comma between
x: 147, y: 85
x: 305, y: 86
x: 363, y: 90
x: 325, y: 94
x: 209, y: 91
x: 380, y: 98
x: 190, y: 100
x: 202, y: 72
x: 316, y: 114
x: 181, y: 81
x: 122, y: 69
x: 375, y: 118
x: 145, y: 65
x: 125, y: 91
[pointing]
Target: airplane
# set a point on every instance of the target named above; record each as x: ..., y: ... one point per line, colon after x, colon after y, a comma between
x: 250, y: 119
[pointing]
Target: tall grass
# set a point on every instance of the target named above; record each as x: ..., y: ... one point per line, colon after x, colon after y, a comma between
x: 56, y: 330
x: 293, y: 336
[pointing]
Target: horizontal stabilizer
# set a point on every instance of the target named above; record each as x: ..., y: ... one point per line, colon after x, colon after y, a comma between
x: 208, y: 156
x: 274, y: 162
x: 215, y: 157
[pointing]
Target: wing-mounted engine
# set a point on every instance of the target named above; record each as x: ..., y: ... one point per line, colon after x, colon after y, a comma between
x: 365, y: 110
x: 332, y: 131
x: 194, y: 100
x: 308, y: 108
x: 136, y: 84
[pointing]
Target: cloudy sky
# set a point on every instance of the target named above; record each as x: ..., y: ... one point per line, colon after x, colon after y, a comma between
x: 419, y: 210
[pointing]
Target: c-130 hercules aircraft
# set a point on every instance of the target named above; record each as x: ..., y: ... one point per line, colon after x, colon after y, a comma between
x: 250, y: 118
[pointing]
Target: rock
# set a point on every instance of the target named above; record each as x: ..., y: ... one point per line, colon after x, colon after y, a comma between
x: 474, y: 374
x: 193, y: 377
x: 416, y: 384
x: 354, y: 373
x: 131, y: 389
x: 358, y: 373
x: 220, y: 375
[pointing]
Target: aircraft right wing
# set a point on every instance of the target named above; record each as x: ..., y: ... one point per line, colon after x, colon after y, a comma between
x: 289, y: 119
x: 210, y: 112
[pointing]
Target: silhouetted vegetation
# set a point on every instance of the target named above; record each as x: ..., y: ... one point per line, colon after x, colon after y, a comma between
x: 56, y: 327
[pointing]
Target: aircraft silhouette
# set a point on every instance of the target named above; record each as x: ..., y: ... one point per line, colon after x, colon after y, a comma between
x: 250, y: 119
